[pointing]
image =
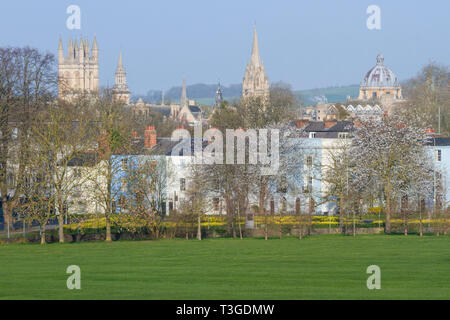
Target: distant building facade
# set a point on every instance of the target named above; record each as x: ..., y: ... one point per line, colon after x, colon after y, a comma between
x: 78, y: 70
x: 380, y: 83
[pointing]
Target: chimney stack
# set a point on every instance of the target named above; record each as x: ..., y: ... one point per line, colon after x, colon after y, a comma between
x: 302, y: 123
x: 149, y: 137
x: 329, y: 123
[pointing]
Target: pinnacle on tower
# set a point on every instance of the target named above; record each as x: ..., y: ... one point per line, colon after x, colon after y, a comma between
x: 60, y: 51
x: 70, y: 53
x: 95, y: 48
x: 86, y: 48
x: 75, y: 48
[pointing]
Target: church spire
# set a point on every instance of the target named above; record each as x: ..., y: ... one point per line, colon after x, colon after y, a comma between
x: 255, y: 82
x: 120, y: 90
x: 120, y: 65
x: 256, y: 61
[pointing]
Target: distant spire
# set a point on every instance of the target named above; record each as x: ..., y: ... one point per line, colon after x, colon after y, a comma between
x: 75, y: 48
x: 70, y: 51
x: 95, y: 48
x: 121, y: 80
x: 184, y: 101
x: 256, y: 61
x: 60, y: 51
x: 219, y: 98
x: 86, y: 48
x: 119, y: 65
x: 162, y: 98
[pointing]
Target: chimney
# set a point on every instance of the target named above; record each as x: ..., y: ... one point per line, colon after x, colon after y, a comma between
x: 329, y: 123
x: 357, y: 124
x: 149, y: 137
x: 302, y: 123
x: 134, y: 134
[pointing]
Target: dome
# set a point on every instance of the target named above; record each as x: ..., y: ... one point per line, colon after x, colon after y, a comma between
x: 380, y: 75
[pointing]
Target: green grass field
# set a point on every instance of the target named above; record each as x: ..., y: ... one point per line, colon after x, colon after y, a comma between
x: 318, y: 267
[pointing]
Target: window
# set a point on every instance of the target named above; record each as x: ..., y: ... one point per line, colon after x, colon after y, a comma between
x: 282, y: 185
x: 124, y: 164
x: 309, y: 161
x: 312, y: 135
x: 343, y: 135
x: 438, y: 155
x: 182, y: 184
x: 374, y: 95
x: 216, y: 203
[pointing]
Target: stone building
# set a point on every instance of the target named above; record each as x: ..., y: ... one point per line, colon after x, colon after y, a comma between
x: 380, y: 83
x: 255, y: 82
x: 120, y: 90
x: 78, y: 70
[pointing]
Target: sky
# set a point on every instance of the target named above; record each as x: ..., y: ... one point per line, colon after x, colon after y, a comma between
x: 308, y: 44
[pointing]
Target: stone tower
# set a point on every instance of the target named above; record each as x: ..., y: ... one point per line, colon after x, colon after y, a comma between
x: 120, y: 90
x: 78, y: 70
x: 256, y: 82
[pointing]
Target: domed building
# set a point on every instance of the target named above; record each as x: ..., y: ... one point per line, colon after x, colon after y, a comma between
x: 380, y: 82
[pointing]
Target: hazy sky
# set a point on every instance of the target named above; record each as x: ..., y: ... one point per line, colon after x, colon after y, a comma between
x: 308, y: 44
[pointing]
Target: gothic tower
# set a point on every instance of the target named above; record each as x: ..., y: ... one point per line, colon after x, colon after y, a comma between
x: 120, y: 90
x: 78, y: 71
x: 255, y: 82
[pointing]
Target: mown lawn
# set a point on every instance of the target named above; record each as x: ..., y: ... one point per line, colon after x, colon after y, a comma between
x: 319, y: 267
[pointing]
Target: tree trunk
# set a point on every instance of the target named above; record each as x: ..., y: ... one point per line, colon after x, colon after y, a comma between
x: 199, y: 228
x: 61, y: 228
x: 341, y: 214
x: 43, y: 235
x: 108, y: 229
x: 420, y: 218
x: 239, y: 221
x: 388, y: 214
x: 262, y: 210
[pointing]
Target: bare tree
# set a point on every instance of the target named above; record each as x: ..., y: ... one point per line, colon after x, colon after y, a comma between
x: 27, y: 83
x: 115, y: 132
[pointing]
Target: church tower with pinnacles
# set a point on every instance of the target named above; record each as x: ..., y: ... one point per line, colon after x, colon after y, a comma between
x: 78, y: 70
x: 120, y: 90
x: 255, y: 82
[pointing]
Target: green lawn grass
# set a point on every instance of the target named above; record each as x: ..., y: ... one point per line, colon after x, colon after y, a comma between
x: 318, y: 267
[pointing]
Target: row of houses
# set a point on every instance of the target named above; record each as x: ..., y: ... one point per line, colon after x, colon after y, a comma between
x: 173, y: 170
